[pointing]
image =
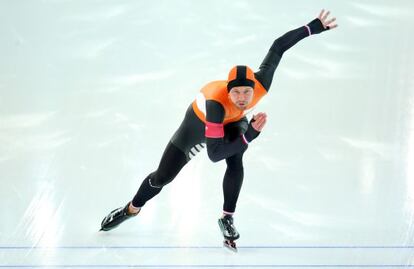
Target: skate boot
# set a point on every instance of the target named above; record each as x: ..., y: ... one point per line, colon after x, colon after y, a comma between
x: 115, y: 218
x: 230, y: 233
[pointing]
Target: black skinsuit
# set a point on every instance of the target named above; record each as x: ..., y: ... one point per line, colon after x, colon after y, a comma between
x: 190, y: 136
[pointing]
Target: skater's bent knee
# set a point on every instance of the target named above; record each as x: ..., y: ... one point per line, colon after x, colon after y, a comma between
x: 235, y: 162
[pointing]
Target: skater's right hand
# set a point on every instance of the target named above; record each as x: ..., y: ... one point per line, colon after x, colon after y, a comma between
x: 255, y: 126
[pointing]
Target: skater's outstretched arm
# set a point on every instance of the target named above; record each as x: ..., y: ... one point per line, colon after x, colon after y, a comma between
x: 286, y: 41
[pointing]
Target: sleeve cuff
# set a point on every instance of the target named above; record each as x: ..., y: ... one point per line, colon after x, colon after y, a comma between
x: 244, y: 139
x: 309, y: 30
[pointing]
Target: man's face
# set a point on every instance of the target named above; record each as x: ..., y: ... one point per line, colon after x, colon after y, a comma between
x: 241, y: 96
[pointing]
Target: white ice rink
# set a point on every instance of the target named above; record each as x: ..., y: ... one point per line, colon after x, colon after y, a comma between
x: 91, y: 92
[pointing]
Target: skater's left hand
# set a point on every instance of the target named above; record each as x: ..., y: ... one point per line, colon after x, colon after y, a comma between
x: 259, y: 121
x: 328, y: 23
x: 255, y: 126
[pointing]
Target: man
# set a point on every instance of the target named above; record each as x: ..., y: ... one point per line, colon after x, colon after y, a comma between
x: 216, y: 120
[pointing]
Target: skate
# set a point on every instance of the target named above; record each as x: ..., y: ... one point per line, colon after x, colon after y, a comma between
x: 115, y: 218
x: 230, y: 233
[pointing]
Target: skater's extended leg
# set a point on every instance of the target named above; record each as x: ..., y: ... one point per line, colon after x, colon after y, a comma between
x: 178, y: 152
x: 172, y: 161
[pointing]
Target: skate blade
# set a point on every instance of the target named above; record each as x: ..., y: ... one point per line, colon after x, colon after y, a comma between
x: 230, y: 245
x: 103, y: 229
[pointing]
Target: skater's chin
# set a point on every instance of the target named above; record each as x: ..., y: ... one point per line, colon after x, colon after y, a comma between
x: 241, y: 106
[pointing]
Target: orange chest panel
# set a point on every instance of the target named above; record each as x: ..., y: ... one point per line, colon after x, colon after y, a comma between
x: 217, y: 91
